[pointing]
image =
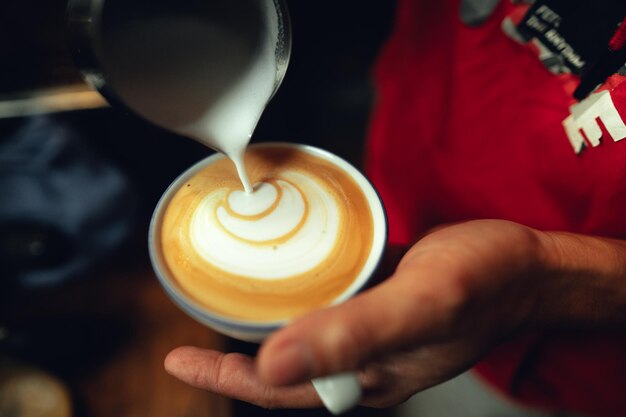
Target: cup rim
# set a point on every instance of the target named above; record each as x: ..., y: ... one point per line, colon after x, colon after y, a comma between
x: 210, y: 318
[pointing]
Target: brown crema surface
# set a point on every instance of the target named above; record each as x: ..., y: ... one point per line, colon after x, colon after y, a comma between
x: 260, y: 300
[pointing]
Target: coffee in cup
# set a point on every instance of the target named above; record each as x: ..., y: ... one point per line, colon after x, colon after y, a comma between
x: 310, y: 235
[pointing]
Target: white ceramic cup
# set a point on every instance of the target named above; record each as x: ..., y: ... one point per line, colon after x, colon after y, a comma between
x: 338, y: 392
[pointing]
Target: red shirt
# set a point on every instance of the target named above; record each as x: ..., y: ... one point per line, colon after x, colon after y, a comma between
x: 468, y: 125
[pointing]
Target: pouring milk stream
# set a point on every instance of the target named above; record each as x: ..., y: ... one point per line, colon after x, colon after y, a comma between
x: 229, y: 124
x: 204, y: 71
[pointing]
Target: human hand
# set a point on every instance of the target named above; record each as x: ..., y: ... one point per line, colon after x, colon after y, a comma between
x: 456, y: 293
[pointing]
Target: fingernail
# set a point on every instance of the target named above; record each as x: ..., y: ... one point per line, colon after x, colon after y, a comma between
x: 290, y: 364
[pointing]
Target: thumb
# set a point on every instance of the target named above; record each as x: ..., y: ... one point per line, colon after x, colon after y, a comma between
x: 406, y: 309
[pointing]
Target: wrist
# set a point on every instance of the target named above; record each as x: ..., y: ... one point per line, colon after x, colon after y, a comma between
x: 582, y: 283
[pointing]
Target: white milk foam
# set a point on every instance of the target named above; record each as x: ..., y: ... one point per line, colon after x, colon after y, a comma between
x: 285, y: 217
x: 308, y: 212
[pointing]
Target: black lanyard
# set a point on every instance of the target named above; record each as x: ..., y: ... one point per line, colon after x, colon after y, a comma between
x: 586, y: 37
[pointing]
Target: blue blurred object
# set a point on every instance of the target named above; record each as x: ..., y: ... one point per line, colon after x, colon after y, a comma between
x: 63, y: 208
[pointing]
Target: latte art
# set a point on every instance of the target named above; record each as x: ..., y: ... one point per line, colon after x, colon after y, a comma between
x: 281, y: 230
x: 293, y: 245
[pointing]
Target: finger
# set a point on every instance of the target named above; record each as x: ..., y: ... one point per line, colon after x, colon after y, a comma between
x: 233, y: 375
x: 384, y: 387
x: 397, y: 377
x: 408, y: 308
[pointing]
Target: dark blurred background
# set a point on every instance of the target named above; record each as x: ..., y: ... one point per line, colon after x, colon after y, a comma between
x: 84, y: 326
